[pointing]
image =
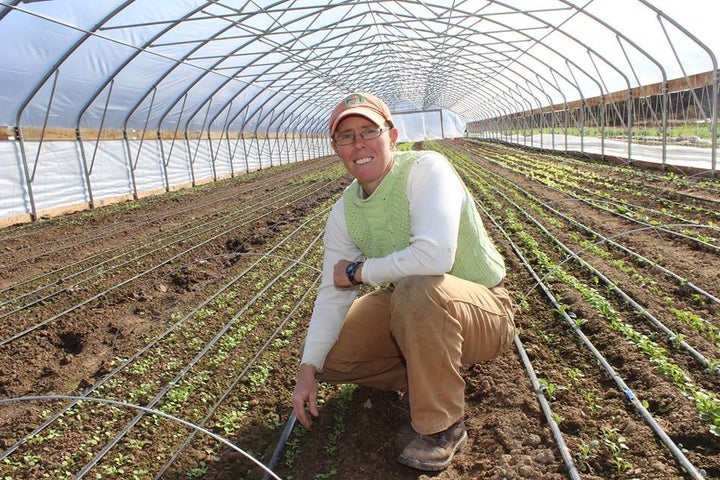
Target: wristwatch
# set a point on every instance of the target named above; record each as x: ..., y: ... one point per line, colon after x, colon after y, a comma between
x: 350, y: 272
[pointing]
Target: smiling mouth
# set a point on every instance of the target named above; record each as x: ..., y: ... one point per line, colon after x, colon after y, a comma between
x: 362, y: 161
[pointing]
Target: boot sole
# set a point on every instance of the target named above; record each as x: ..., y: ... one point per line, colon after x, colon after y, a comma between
x: 434, y: 466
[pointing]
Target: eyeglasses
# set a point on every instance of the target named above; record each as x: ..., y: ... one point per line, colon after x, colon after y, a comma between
x: 366, y: 134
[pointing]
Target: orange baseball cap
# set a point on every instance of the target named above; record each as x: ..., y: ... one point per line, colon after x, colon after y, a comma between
x: 364, y: 104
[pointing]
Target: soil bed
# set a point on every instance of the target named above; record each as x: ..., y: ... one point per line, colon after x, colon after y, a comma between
x: 195, y: 304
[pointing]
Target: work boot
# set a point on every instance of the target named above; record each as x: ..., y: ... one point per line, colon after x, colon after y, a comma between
x: 434, y: 452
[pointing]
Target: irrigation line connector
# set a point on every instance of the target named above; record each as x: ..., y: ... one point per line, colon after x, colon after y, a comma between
x: 268, y: 473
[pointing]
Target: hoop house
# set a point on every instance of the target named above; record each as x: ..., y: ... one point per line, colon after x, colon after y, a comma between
x: 159, y: 337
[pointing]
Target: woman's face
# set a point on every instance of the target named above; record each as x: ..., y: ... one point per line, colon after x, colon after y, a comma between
x: 367, y: 160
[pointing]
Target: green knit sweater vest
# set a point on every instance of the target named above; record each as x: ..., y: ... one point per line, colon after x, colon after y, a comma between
x: 380, y: 225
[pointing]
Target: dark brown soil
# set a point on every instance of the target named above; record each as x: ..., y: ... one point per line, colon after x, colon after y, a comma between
x: 95, y: 303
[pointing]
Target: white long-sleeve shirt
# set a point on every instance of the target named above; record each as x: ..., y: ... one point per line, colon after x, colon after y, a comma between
x: 436, y: 196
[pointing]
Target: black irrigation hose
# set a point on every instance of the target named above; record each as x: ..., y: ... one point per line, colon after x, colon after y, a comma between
x: 643, y: 176
x: 671, y: 336
x: 640, y: 209
x: 615, y: 213
x: 649, y: 419
x: 710, y: 246
x: 701, y: 199
x: 576, y: 157
x: 277, y: 453
x: 609, y: 241
x: 153, y: 217
x: 537, y: 388
x: 599, y: 205
x: 161, y: 394
x: 240, y: 376
x: 547, y: 410
x: 655, y: 265
x: 667, y: 441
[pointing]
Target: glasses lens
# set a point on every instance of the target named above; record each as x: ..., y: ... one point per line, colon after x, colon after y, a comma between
x: 370, y: 133
x: 345, y: 138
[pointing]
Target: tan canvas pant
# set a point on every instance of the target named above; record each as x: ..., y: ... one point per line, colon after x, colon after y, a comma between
x: 416, y: 336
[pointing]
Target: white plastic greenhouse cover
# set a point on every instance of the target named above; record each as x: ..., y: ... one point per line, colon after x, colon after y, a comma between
x: 276, y: 68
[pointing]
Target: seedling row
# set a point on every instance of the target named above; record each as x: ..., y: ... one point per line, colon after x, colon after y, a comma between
x: 594, y: 284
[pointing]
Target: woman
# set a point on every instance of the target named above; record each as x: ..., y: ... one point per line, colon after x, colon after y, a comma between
x: 406, y: 223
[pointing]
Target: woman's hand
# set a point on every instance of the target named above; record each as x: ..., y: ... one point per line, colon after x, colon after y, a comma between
x: 306, y: 391
x: 340, y: 277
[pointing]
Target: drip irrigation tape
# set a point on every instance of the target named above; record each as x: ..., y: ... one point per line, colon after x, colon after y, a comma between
x: 537, y: 388
x: 231, y: 388
x: 658, y: 228
x: 647, y: 416
x: 174, y: 327
x: 557, y: 434
x: 610, y: 241
x: 666, y: 440
x: 131, y: 279
x: 672, y: 337
x: 159, y: 396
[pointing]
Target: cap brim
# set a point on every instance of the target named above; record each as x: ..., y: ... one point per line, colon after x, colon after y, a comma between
x: 374, y: 117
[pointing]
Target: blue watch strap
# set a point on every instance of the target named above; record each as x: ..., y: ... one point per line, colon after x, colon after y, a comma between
x: 350, y: 272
